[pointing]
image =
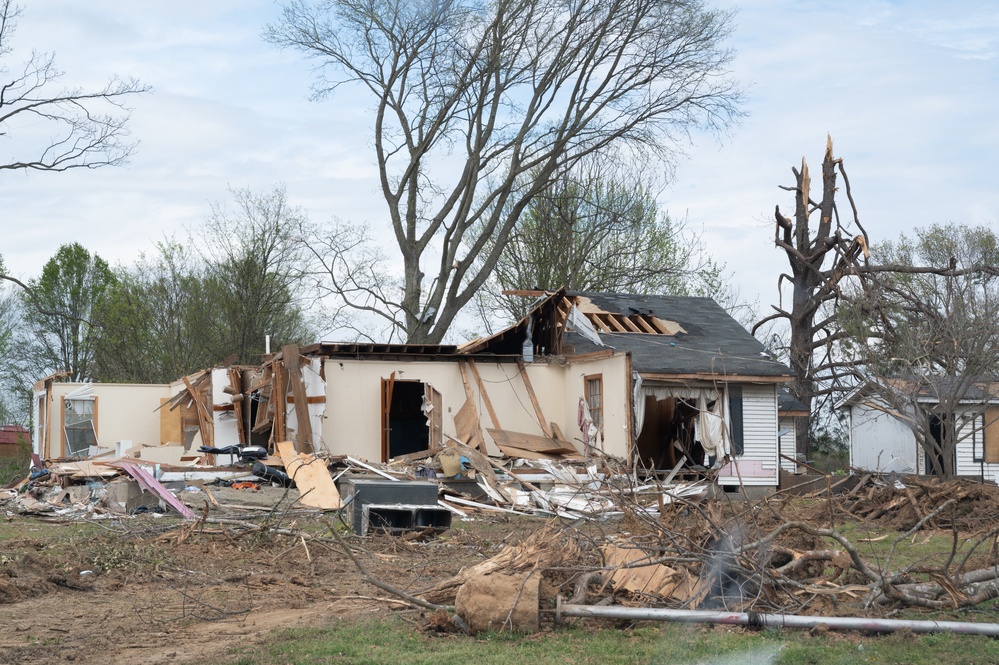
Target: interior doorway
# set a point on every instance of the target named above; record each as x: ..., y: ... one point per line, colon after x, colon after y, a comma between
x: 411, y: 417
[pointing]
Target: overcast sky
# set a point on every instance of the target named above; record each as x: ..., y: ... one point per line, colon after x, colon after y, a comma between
x: 907, y: 90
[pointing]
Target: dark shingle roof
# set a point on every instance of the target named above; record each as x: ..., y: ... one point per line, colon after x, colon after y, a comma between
x: 714, y: 342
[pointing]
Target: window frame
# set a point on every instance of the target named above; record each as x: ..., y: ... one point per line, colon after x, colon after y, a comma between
x: 597, y: 414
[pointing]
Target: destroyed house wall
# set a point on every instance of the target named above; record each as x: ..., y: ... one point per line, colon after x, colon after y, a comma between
x: 352, y: 424
x: 758, y: 463
x: 125, y: 412
x: 615, y: 372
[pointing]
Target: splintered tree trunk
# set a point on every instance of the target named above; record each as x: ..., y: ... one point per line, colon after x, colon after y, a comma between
x: 813, y: 282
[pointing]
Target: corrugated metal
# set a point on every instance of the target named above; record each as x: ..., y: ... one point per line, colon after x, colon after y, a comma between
x: 759, y: 418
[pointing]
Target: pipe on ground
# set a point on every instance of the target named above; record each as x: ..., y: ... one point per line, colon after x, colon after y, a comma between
x: 772, y: 620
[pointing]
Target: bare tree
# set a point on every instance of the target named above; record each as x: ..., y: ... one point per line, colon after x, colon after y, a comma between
x: 57, y: 128
x: 471, y: 98
x: 819, y: 259
x: 925, y: 344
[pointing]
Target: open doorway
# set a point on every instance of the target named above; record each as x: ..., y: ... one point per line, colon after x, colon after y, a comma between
x: 411, y: 417
x: 668, y: 434
x: 933, y: 464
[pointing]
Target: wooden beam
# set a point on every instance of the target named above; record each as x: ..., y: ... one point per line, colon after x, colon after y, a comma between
x: 593, y: 355
x: 303, y: 429
x: 645, y: 325
x: 532, y: 293
x: 601, y: 325
x: 626, y: 320
x: 534, y: 398
x: 236, y: 386
x: 614, y: 321
x: 464, y: 380
x: 485, y: 396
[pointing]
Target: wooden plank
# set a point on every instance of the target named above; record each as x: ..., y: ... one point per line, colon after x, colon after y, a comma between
x: 485, y: 396
x: 534, y: 398
x: 236, y: 384
x: 600, y: 324
x: 585, y: 357
x: 628, y: 323
x: 205, y: 422
x: 533, y: 442
x: 303, y: 424
x: 526, y: 454
x: 311, y: 476
x: 467, y: 427
x: 613, y: 320
x: 464, y: 380
x: 557, y: 433
x: 278, y: 394
x: 991, y: 441
x: 645, y: 325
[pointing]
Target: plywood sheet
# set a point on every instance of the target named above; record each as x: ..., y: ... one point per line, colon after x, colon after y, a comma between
x: 467, y: 427
x: 171, y: 424
x: 538, y: 444
x: 311, y: 476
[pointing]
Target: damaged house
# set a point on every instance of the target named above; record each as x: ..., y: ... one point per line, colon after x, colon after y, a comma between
x: 881, y: 438
x: 659, y: 381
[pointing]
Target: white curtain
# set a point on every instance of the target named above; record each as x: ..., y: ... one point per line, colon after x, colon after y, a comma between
x: 713, y: 426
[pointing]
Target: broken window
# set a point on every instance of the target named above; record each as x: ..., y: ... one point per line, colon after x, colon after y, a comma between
x: 735, y: 414
x: 79, y: 425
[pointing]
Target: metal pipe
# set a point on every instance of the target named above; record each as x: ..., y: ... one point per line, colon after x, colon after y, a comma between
x: 772, y: 620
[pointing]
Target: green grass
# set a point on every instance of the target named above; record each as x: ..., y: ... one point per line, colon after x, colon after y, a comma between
x: 394, y: 641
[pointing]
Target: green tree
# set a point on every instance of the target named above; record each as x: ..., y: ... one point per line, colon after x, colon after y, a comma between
x: 254, y: 259
x: 192, y: 304
x: 151, y: 330
x: 598, y: 229
x: 469, y: 98
x: 60, y: 310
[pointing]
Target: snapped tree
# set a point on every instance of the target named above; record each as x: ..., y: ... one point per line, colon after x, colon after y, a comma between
x: 479, y: 106
x: 830, y: 261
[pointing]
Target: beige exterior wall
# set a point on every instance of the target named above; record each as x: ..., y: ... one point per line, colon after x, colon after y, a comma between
x: 617, y: 414
x: 352, y: 422
x: 125, y: 411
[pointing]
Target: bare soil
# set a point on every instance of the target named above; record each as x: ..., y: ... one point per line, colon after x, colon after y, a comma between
x: 149, y: 591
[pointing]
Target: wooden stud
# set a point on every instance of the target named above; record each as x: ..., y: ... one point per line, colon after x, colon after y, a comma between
x: 534, y: 398
x: 628, y: 323
x: 645, y: 325
x: 303, y: 430
x: 485, y: 396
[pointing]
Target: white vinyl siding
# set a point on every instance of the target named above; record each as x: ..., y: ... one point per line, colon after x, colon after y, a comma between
x: 758, y: 463
x: 788, y: 443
